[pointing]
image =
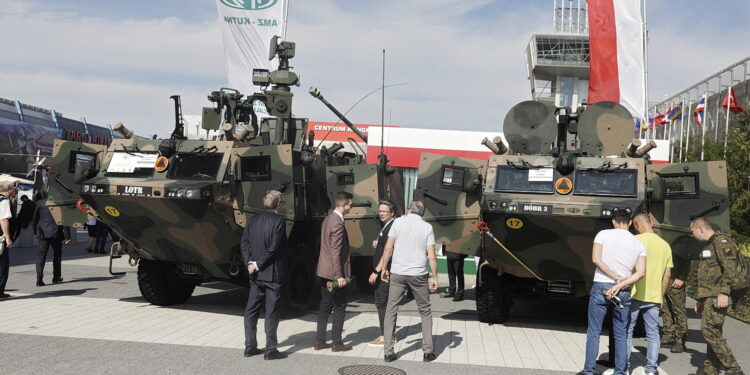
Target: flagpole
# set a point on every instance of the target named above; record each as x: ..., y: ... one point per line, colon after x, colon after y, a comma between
x: 682, y: 126
x: 718, y: 110
x: 286, y: 19
x: 705, y: 122
x: 644, y: 46
x: 687, y: 135
x: 730, y: 95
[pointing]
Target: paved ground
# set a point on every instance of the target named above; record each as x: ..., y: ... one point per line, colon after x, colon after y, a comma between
x: 97, y: 323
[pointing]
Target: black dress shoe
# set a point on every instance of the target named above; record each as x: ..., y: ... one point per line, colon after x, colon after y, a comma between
x: 274, y: 354
x: 428, y: 357
x: 40, y: 283
x: 249, y: 352
x: 58, y: 281
x: 4, y: 295
x: 446, y: 295
x: 458, y: 297
x: 390, y: 357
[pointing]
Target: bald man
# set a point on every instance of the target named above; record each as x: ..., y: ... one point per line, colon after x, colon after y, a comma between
x: 648, y: 292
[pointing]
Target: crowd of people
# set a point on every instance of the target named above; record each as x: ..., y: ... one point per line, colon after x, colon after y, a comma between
x: 35, y: 214
x: 636, y: 277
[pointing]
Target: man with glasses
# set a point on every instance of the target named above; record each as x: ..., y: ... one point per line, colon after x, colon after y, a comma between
x: 387, y: 215
x: 264, y: 250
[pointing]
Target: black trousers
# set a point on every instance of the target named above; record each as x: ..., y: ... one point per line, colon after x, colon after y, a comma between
x: 4, y: 269
x: 44, y: 245
x: 381, y: 301
x: 261, y: 291
x: 336, y: 301
x: 455, y: 272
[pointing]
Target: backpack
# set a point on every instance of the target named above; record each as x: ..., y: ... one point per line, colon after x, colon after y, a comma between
x: 741, y: 277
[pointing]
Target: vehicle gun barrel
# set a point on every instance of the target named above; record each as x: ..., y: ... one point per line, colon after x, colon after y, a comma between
x: 316, y: 93
x: 496, y: 145
x: 125, y: 132
x: 643, y: 150
x: 633, y: 148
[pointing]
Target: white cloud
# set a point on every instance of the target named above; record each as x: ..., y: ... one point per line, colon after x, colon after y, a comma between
x: 463, y: 61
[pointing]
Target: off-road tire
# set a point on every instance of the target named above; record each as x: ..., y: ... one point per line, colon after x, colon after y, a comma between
x: 493, y: 298
x: 301, y: 290
x: 161, y: 285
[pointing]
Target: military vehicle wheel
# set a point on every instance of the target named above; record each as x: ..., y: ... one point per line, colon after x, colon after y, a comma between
x: 301, y: 287
x: 362, y: 269
x: 161, y: 285
x: 493, y: 298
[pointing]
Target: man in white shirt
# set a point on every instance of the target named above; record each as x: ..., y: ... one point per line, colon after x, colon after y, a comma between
x: 7, y: 193
x: 615, y: 253
x: 411, y: 243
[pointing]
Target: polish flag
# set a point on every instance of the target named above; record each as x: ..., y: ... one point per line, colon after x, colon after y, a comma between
x: 616, y: 46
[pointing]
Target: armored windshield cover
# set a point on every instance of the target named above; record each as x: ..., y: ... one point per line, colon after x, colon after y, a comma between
x: 621, y: 183
x: 510, y: 179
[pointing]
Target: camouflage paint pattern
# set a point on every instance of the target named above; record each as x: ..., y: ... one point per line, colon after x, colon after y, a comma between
x: 449, y: 187
x: 552, y: 231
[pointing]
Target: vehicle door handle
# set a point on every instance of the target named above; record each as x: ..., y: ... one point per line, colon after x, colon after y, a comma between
x: 366, y: 204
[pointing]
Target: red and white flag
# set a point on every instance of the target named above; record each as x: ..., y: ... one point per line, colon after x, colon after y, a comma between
x: 616, y: 45
x: 730, y: 102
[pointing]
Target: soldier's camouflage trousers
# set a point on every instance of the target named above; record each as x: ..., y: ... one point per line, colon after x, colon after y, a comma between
x: 674, y: 315
x: 718, y: 354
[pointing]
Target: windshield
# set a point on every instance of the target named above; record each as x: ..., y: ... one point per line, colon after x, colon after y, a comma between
x: 616, y: 183
x: 533, y: 180
x: 131, y: 164
x: 195, y: 166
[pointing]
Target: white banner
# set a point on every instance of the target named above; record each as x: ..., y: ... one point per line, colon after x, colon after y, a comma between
x: 247, y: 27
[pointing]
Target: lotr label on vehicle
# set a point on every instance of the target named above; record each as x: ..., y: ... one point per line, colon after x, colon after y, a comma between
x: 538, y: 208
x: 514, y: 223
x: 111, y: 211
x: 563, y: 185
x: 135, y: 191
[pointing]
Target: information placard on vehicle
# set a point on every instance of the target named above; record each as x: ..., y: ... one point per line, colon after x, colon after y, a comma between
x: 541, y: 174
x: 124, y: 162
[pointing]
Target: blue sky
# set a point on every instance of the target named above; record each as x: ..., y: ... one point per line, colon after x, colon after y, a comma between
x: 121, y: 60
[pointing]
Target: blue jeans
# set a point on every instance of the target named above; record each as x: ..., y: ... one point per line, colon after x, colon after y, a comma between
x: 598, y: 305
x: 650, y: 312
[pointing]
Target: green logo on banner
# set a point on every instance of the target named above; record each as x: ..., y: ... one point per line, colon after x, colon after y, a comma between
x: 249, y: 4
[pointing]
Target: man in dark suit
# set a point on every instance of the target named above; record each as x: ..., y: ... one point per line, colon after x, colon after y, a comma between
x: 334, y: 266
x: 264, y: 250
x: 49, y: 234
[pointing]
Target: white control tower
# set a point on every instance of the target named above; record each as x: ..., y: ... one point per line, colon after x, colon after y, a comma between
x: 557, y: 64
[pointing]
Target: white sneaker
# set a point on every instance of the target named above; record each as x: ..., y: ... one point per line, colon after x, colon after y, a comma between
x: 608, y: 371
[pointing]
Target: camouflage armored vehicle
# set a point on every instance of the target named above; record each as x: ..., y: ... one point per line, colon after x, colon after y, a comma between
x: 531, y: 213
x: 180, y: 205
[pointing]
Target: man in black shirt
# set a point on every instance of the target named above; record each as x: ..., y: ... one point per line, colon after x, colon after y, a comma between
x: 387, y: 215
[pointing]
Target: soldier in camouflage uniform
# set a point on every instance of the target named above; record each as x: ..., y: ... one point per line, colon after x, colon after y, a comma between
x: 674, y: 316
x: 714, y: 272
